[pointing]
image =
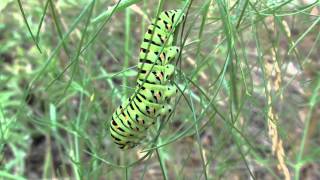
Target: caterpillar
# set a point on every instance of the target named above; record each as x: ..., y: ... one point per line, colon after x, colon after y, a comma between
x: 151, y: 98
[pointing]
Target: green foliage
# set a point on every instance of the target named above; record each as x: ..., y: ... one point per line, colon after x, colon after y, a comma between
x: 66, y: 65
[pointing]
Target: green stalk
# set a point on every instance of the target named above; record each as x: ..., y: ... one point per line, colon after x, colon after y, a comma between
x: 126, y: 49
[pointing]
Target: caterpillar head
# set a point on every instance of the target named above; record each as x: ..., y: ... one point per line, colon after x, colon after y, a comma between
x: 173, y: 16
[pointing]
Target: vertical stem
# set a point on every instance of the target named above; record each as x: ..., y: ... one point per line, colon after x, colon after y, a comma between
x: 126, y: 48
x: 162, y: 165
x: 76, y: 152
x: 312, y: 105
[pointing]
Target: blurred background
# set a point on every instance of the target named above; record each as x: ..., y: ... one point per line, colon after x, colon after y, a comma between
x: 247, y: 107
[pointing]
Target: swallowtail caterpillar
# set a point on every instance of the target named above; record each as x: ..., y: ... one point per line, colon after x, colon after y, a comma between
x: 154, y: 89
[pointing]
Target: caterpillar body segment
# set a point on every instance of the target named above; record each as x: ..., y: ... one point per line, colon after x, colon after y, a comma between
x: 155, y: 74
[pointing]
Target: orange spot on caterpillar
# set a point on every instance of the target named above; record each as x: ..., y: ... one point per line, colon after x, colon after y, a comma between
x: 160, y: 76
x: 162, y: 56
x: 158, y: 96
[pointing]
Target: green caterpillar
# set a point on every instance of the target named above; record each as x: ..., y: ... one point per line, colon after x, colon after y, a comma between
x: 153, y: 91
